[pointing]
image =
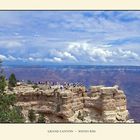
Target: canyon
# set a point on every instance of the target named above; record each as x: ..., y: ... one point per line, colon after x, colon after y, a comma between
x: 73, y: 104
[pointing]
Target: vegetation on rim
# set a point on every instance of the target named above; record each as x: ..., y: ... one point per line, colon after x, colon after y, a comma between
x: 9, y: 113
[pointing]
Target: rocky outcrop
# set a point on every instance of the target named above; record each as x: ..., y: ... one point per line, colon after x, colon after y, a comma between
x: 74, y: 104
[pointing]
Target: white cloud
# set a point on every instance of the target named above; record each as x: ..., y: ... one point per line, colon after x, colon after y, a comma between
x: 10, y: 43
x: 7, y: 58
x: 101, y: 53
x: 11, y: 58
x: 94, y: 53
x: 68, y: 55
x: 31, y: 59
x: 80, y: 52
x: 57, y: 59
x: 2, y: 57
x: 128, y: 54
x: 63, y: 54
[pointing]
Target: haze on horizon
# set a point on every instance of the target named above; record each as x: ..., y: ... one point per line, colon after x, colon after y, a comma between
x: 70, y: 37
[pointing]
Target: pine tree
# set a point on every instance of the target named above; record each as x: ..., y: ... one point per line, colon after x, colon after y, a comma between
x: 12, y: 80
x: 9, y: 113
x: 2, y: 79
x: 2, y: 83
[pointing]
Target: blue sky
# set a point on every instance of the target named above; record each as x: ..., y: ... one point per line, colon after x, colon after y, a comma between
x: 70, y: 37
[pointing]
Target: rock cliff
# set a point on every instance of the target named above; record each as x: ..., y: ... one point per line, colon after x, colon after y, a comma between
x: 73, y: 103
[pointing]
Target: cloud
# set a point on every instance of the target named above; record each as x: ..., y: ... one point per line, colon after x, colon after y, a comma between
x: 2, y: 57
x: 31, y: 59
x: 10, y: 44
x: 102, y: 53
x: 68, y: 55
x: 63, y: 54
x: 127, y: 54
x: 57, y: 59
x: 91, y: 52
x: 77, y: 37
x: 7, y: 58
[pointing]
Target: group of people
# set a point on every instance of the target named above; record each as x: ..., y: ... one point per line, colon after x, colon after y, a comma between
x: 61, y: 86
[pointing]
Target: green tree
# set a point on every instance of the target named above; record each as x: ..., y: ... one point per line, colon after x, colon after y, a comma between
x: 2, y: 79
x: 31, y: 116
x: 41, y: 118
x: 12, y: 80
x: 2, y: 83
x: 15, y: 115
x: 9, y: 113
x: 35, y: 86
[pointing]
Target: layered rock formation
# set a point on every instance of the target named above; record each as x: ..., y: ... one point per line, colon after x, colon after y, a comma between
x: 74, y: 104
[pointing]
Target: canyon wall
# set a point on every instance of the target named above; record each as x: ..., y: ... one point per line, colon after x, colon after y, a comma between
x: 74, y: 104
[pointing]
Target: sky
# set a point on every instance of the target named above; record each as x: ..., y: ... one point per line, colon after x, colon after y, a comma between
x: 70, y: 37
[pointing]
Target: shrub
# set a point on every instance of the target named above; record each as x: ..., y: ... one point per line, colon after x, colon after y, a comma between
x: 31, y: 116
x: 41, y: 118
x: 80, y: 116
x: 34, y: 86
